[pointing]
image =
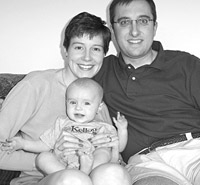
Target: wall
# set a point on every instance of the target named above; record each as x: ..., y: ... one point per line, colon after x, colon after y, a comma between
x: 30, y: 30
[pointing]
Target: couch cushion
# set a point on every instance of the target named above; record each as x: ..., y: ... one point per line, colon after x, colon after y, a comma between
x: 6, y: 176
x: 7, y: 82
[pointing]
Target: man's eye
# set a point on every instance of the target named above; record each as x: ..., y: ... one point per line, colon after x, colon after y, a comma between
x: 143, y: 21
x: 125, y: 22
x: 87, y: 103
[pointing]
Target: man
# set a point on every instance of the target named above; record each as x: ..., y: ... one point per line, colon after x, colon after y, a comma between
x: 158, y: 91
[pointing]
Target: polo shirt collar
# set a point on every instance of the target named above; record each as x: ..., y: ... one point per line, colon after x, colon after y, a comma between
x: 157, y: 63
x: 159, y: 60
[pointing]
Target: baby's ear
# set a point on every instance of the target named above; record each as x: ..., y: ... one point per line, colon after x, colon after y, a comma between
x: 100, y: 106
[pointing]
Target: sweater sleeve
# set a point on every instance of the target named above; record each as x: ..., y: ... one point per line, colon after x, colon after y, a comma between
x: 17, y: 108
x: 18, y: 160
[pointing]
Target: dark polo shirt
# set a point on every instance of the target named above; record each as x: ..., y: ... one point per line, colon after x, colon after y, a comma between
x: 159, y: 100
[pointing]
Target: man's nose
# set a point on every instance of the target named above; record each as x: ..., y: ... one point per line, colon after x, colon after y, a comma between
x: 134, y: 29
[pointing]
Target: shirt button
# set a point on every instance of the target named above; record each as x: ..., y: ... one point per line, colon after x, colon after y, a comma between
x: 133, y: 78
x: 129, y: 67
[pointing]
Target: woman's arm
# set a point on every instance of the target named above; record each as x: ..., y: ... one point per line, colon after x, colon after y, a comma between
x: 19, y: 161
x: 16, y: 109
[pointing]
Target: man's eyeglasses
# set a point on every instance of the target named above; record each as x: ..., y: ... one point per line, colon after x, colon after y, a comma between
x: 142, y: 21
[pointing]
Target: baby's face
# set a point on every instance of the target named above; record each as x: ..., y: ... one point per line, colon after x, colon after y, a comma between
x: 82, y: 104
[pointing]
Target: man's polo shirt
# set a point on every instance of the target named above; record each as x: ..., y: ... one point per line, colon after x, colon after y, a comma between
x: 158, y: 100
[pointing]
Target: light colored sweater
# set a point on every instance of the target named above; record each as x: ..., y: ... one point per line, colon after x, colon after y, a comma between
x: 32, y: 107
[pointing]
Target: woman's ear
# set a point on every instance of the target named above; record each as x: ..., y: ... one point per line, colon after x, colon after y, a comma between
x: 65, y: 51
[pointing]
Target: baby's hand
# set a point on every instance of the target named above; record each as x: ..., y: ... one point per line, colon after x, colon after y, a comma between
x: 11, y: 145
x: 121, y: 122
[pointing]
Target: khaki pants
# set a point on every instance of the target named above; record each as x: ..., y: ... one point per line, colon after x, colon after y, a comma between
x: 179, y: 162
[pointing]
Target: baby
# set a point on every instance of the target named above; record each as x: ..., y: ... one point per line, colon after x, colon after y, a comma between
x: 83, y: 101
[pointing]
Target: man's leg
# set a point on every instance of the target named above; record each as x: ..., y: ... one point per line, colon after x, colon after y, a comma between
x: 155, y: 181
x: 110, y: 174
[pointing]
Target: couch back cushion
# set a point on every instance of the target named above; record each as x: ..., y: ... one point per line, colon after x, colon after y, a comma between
x: 7, y: 82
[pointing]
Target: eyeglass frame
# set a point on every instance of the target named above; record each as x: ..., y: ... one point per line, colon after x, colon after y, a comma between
x: 131, y: 21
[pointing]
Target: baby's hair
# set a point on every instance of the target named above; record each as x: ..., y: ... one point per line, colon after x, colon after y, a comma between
x: 87, y: 83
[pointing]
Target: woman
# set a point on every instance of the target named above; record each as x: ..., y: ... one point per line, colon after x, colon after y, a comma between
x: 35, y: 102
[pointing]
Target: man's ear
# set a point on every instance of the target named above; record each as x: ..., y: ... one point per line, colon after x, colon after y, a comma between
x: 155, y: 28
x: 113, y: 38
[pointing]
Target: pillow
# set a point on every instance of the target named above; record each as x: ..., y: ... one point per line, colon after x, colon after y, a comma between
x: 7, y: 82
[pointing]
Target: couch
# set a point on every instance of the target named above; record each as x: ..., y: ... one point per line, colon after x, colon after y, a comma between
x: 7, y: 82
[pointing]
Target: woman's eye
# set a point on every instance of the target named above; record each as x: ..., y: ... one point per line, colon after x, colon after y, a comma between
x: 97, y: 49
x: 78, y: 47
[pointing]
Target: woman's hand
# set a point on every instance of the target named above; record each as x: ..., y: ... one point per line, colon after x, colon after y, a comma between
x: 104, y: 139
x: 67, y: 144
x: 109, y: 141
